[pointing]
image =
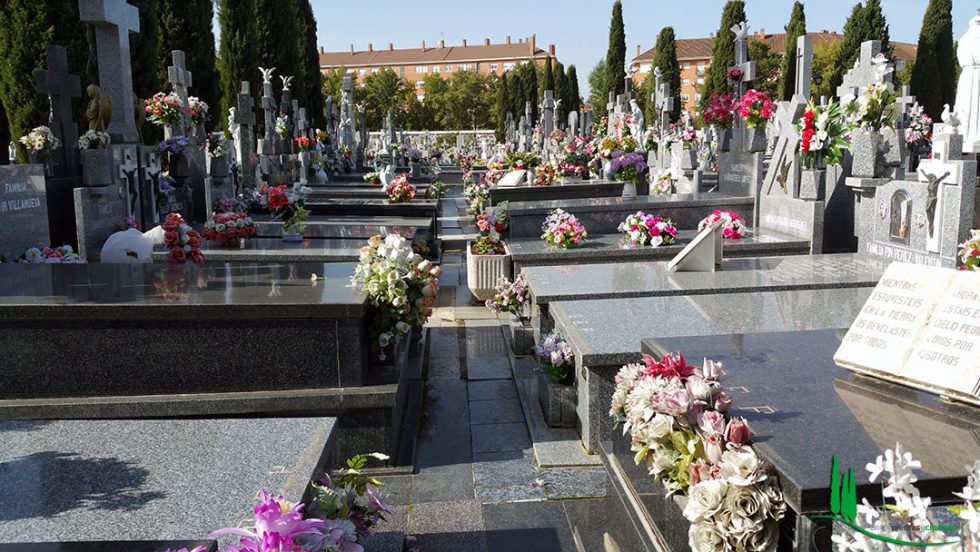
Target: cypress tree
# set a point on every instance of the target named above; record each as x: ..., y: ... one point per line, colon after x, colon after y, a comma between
x: 723, y: 54
x: 575, y: 98
x: 236, y: 62
x: 145, y: 54
x: 26, y: 28
x: 502, y: 108
x: 186, y: 25
x: 616, y: 54
x: 312, y: 92
x: 665, y: 57
x: 516, y: 93
x: 877, y: 27
x: 934, y: 75
x: 4, y: 135
x: 548, y: 80
x: 531, y: 90
x: 272, y: 20
x: 855, y: 29
x: 561, y: 93
x: 794, y: 30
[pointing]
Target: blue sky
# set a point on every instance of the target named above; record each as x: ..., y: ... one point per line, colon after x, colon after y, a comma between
x: 580, y: 28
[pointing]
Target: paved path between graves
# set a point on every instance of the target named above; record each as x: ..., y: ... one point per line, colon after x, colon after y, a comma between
x: 477, y: 485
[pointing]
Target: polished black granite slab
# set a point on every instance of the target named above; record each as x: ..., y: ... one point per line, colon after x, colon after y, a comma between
x: 373, y: 207
x: 342, y: 231
x: 184, y: 292
x: 109, y: 546
x: 653, y: 279
x: 150, y: 480
x: 804, y: 410
x: 275, y: 250
x: 612, y: 248
x: 574, y: 190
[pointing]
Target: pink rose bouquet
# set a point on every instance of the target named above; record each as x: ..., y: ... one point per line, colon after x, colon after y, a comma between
x: 731, y: 223
x: 756, y: 108
x: 644, y: 230
x: 561, y: 229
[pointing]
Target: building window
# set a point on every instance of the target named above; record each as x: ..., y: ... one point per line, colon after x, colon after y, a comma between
x: 362, y: 72
x: 419, y: 84
x: 700, y: 81
x: 697, y: 98
x: 686, y: 82
x: 685, y: 98
x: 686, y: 66
x: 466, y: 67
x: 436, y: 68
x: 494, y: 67
x: 645, y: 68
x: 449, y: 68
x: 422, y: 69
x: 375, y: 70
x: 509, y: 66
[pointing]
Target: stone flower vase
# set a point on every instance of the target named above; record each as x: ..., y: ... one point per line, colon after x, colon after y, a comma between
x: 607, y: 172
x: 755, y: 139
x: 557, y: 401
x: 218, y: 166
x: 96, y: 167
x: 629, y: 189
x: 483, y: 272
x: 865, y: 145
x: 321, y: 176
x: 521, y: 335
x: 813, y: 184
x: 683, y: 158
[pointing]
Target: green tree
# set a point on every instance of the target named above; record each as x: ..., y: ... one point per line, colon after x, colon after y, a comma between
x: 382, y: 92
x: 723, y: 54
x: 502, y: 108
x: 575, y: 98
x: 562, y: 93
x: 466, y: 101
x: 186, y: 25
x: 516, y: 93
x: 616, y: 54
x: 311, y: 94
x: 665, y: 57
x: 4, y: 135
x: 333, y: 83
x: 145, y: 55
x: 904, y: 75
x: 530, y: 81
x: 877, y: 27
x: 794, y: 30
x: 26, y: 28
x: 548, y: 80
x: 850, y: 47
x: 933, y: 76
x: 824, y: 57
x: 598, y: 89
x: 272, y: 21
x: 767, y: 62
x: 437, y: 98
x: 236, y: 62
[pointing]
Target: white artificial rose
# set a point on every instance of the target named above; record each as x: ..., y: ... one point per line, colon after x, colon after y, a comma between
x: 664, y: 460
x: 656, y: 241
x: 428, y: 291
x: 705, y: 536
x: 399, y: 301
x: 660, y: 426
x: 705, y: 499
x: 402, y: 327
x: 742, y: 467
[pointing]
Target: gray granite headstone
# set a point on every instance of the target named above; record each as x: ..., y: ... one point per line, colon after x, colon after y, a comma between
x: 113, y: 21
x: 804, y: 65
x: 23, y: 210
x: 245, y: 116
x: 99, y: 212
x: 740, y: 173
x: 181, y: 79
x: 61, y: 87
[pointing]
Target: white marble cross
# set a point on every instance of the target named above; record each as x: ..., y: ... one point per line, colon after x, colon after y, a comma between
x: 113, y: 21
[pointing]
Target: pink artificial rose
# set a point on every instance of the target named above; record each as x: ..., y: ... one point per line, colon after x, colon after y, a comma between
x: 723, y: 402
x: 711, y: 370
x: 713, y: 448
x: 711, y: 423
x: 726, y: 233
x: 676, y: 401
x: 739, y: 431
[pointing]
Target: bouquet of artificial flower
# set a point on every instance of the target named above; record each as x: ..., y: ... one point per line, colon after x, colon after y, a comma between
x: 628, y: 166
x: 414, y: 155
x: 492, y: 176
x: 920, y: 129
x: 39, y: 139
x: 353, y: 499
x: 664, y: 184
x: 970, y: 252
x: 216, y: 145
x: 731, y: 223
x: 287, y: 204
x: 556, y: 358
x: 466, y: 162
x: 199, y: 111
x: 488, y: 245
x: 642, y: 230
x: 510, y: 296
x: 558, y: 136
x: 303, y: 143
x: 544, y: 175
x: 522, y: 160
x: 721, y: 110
x: 400, y: 285
x: 567, y: 169
x: 562, y: 229
x: 184, y: 242
x: 823, y: 134
x: 94, y: 139
x: 477, y: 194
x: 400, y: 190
x: 178, y: 145
x: 756, y: 108
x: 282, y: 126
x: 373, y: 178
x: 164, y: 109
x: 58, y: 255
x: 228, y: 227
x: 436, y: 190
x: 875, y: 107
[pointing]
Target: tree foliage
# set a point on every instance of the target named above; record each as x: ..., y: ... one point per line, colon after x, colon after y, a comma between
x: 502, y: 107
x: 824, y: 60
x: 794, y: 30
x: 575, y: 98
x: 236, y: 62
x: 933, y: 76
x: 665, y: 57
x: 272, y: 21
x: 186, y: 25
x: 598, y: 89
x: 310, y: 92
x: 548, y: 78
x: 723, y: 54
x: 767, y: 62
x: 616, y: 54
x: 866, y: 22
x: 562, y: 93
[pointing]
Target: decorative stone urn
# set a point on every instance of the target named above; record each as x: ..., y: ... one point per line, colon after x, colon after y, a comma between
x: 557, y: 401
x: 683, y: 158
x: 865, y: 147
x: 813, y: 184
x: 755, y: 139
x: 483, y: 272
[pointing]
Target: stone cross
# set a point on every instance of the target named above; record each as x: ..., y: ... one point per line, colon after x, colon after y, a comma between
x: 150, y: 161
x: 61, y: 87
x: 301, y: 127
x: 522, y: 136
x: 663, y: 99
x: 179, y: 77
x: 610, y: 110
x: 286, y: 107
x: 528, y: 127
x: 784, y: 165
x: 628, y: 81
x: 113, y: 20
x: 742, y: 59
x: 245, y: 117
x: 906, y: 100
x: 127, y: 173
x: 269, y: 108
x: 509, y: 125
x: 863, y: 73
x: 804, y: 65
x: 346, y: 112
x: 549, y: 115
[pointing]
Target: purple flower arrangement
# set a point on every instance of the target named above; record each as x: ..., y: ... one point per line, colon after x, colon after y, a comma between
x: 556, y: 358
x: 561, y: 229
x: 510, y: 296
x: 178, y: 145
x: 628, y: 166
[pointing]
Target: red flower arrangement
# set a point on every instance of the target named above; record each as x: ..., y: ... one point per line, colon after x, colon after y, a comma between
x: 276, y: 196
x: 229, y: 227
x: 400, y: 191
x: 184, y: 242
x: 304, y: 143
x: 734, y: 74
x: 721, y: 110
x: 808, y: 131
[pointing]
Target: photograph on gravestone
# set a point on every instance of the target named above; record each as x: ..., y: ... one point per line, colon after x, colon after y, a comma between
x: 23, y: 210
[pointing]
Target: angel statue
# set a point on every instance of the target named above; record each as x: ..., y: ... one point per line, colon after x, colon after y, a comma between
x: 286, y: 82
x: 266, y: 74
x: 99, y: 110
x: 741, y: 31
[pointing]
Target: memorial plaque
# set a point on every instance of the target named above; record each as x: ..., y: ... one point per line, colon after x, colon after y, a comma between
x: 23, y: 210
x: 99, y: 212
x: 512, y: 179
x: 703, y: 254
x: 920, y: 327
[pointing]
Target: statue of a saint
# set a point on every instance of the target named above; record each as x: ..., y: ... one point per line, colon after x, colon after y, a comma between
x: 99, y: 110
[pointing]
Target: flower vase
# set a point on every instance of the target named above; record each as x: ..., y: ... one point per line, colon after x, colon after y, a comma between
x: 755, y: 139
x: 683, y: 158
x: 629, y: 189
x: 236, y: 243
x: 40, y: 157
x: 557, y: 401
x: 865, y: 145
x: 607, y: 172
x: 321, y: 176
x: 483, y: 272
x: 813, y: 184
x: 96, y: 167
x: 170, y: 130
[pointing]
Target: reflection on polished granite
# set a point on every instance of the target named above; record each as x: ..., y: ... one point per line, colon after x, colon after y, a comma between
x: 108, y: 546
x: 804, y: 410
x: 647, y: 203
x: 611, y: 248
x: 651, y: 279
x: 343, y: 231
x: 277, y: 250
x: 150, y: 480
x: 135, y: 291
